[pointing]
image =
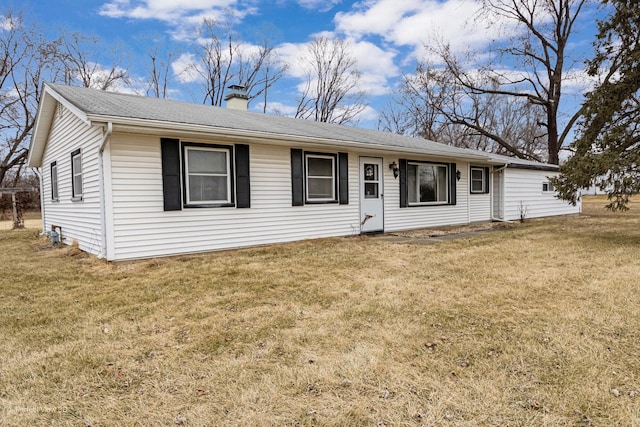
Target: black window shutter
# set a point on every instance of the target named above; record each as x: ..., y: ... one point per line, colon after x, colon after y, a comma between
x: 243, y: 183
x: 297, y: 177
x: 486, y: 180
x: 453, y: 182
x: 343, y: 178
x: 170, y: 151
x: 403, y: 184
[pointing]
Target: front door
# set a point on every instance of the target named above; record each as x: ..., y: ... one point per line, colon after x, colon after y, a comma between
x: 371, y: 195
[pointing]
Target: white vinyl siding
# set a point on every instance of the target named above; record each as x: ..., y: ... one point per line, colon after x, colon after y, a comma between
x: 523, y: 195
x: 397, y: 218
x: 142, y: 229
x: 78, y: 222
x: 479, y: 199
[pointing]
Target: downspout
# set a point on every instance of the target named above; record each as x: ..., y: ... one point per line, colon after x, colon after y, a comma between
x: 39, y: 175
x: 103, y: 207
x: 493, y: 218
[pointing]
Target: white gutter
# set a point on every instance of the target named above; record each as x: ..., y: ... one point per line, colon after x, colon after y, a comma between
x: 103, y: 207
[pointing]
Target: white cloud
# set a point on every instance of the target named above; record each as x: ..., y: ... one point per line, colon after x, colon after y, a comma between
x: 319, y: 5
x: 277, y: 108
x: 411, y: 23
x: 8, y: 23
x: 368, y: 114
x: 376, y: 65
x: 185, y: 68
x: 183, y: 16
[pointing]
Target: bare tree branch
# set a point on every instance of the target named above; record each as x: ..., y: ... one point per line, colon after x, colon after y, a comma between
x: 331, y: 91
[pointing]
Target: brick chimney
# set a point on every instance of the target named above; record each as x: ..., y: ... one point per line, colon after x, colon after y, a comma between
x: 237, y: 98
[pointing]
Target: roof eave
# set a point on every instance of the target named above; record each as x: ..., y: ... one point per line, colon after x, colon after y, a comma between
x: 144, y: 126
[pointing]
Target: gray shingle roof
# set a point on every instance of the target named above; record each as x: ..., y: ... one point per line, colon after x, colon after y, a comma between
x: 110, y: 104
x: 98, y: 104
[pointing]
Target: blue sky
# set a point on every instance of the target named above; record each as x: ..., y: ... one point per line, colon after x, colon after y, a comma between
x: 386, y: 36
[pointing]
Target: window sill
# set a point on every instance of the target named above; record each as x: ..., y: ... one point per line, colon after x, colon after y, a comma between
x: 56, y: 200
x: 423, y: 205
x: 210, y: 205
x: 319, y: 202
x: 76, y: 199
x: 479, y: 192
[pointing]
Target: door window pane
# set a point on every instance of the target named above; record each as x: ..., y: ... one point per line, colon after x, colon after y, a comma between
x: 371, y: 190
x: 370, y: 172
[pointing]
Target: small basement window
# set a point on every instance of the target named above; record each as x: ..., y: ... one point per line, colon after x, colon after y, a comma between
x: 548, y: 187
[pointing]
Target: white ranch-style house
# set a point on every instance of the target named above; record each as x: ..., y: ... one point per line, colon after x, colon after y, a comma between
x: 130, y: 177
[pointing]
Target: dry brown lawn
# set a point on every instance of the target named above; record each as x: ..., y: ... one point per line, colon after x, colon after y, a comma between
x: 536, y: 325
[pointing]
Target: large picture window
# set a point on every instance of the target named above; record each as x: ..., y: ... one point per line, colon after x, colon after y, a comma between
x: 76, y: 175
x: 207, y: 175
x: 427, y: 183
x: 321, y: 177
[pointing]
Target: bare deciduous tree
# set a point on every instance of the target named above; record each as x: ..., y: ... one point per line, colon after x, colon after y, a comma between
x: 223, y: 60
x: 76, y: 53
x: 26, y: 58
x: 331, y: 92
x: 158, y: 84
x: 215, y: 56
x: 430, y: 104
x: 259, y: 70
x: 537, y: 48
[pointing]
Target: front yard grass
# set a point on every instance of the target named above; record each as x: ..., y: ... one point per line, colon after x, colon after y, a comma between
x: 537, y: 324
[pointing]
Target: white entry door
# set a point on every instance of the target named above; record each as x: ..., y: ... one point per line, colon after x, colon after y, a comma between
x: 371, y: 195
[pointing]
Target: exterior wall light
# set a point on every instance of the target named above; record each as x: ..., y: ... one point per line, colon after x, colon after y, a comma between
x: 394, y: 167
x: 458, y: 175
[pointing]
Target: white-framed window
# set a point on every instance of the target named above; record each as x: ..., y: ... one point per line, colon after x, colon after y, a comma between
x: 478, y: 177
x: 321, y: 177
x: 548, y: 187
x: 207, y: 175
x: 427, y: 183
x: 54, y: 181
x: 76, y: 175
